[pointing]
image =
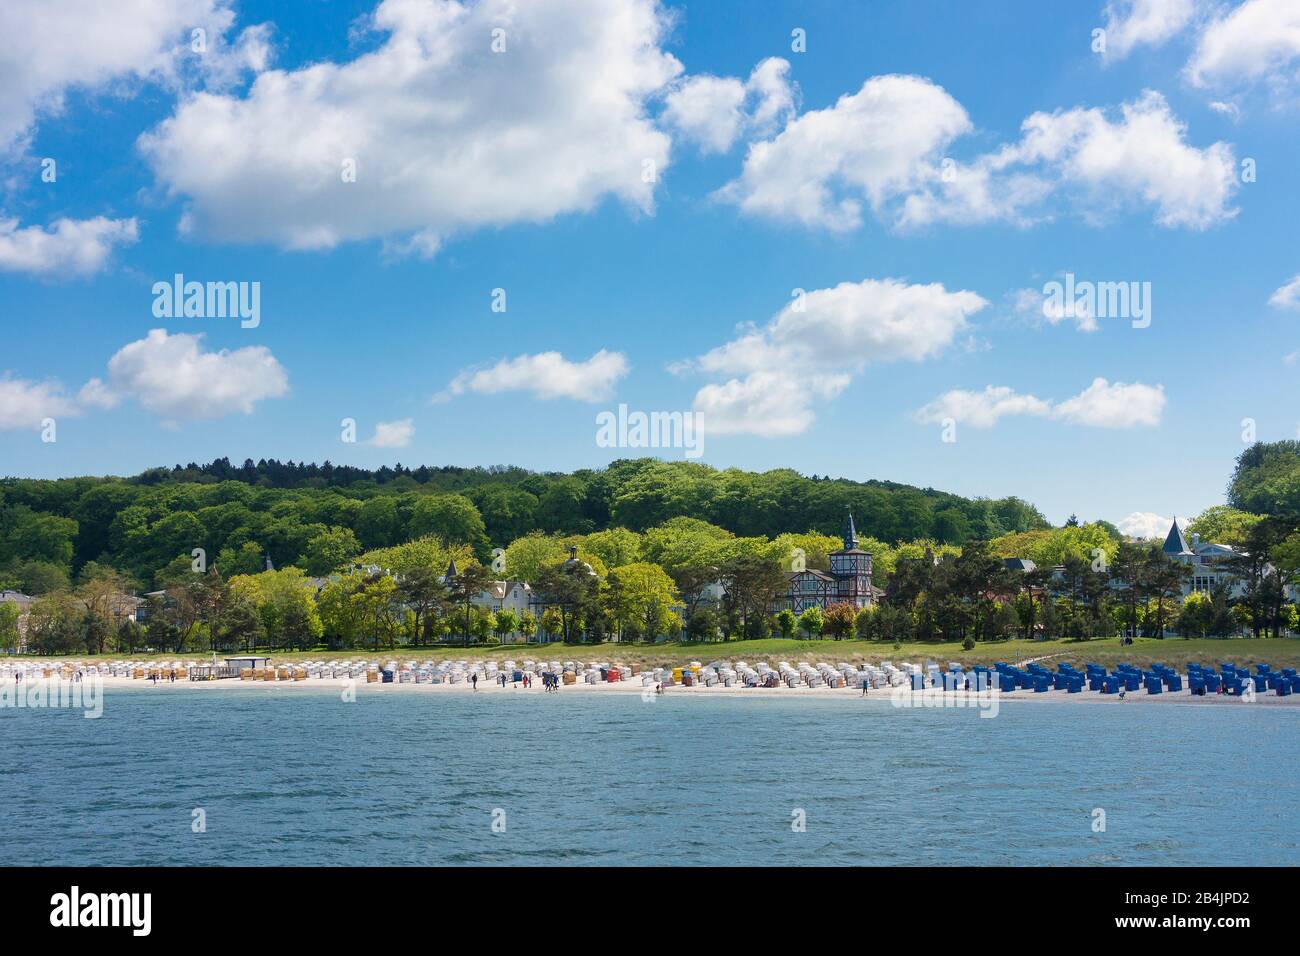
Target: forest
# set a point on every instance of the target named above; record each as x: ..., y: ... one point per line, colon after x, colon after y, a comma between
x: 357, y: 558
x: 317, y: 517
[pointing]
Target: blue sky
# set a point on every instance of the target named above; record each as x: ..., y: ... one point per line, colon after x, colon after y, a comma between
x: 522, y: 170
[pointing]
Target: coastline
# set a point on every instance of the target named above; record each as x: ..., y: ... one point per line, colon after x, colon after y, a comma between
x: 907, y: 699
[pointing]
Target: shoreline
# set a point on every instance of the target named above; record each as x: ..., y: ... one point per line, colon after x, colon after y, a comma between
x: 929, y: 699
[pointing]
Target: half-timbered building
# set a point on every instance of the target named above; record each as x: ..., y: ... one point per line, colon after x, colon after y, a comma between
x: 847, y: 582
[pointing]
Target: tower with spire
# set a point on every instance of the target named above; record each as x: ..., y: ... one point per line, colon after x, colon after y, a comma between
x: 1175, y: 544
x: 851, y: 568
x: 847, y: 582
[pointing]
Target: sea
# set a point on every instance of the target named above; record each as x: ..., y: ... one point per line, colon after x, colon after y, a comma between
x: 185, y: 776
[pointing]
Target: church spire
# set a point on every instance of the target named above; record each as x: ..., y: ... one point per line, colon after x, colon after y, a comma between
x: 850, y: 533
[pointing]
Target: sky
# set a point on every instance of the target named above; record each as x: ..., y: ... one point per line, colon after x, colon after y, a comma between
x: 829, y: 230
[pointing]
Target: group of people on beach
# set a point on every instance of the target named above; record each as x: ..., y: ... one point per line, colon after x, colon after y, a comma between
x: 550, y: 682
x: 76, y: 677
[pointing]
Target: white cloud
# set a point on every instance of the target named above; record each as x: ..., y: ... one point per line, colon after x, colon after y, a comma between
x: 1288, y: 296
x: 1145, y: 525
x: 95, y: 394
x: 1257, y: 41
x: 1101, y: 405
x: 884, y: 148
x: 1035, y: 307
x: 714, y: 111
x: 67, y: 247
x: 1106, y: 405
x: 47, y: 49
x: 546, y: 375
x: 874, y: 144
x: 812, y: 348
x: 1101, y: 164
x: 23, y: 403
x: 708, y: 110
x: 396, y: 434
x: 772, y: 404
x: 849, y: 325
x: 446, y: 135
x: 1226, y: 108
x: 1133, y: 23
x: 172, y: 376
x: 982, y: 409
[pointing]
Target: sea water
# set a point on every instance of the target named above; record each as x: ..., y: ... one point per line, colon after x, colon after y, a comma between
x: 243, y: 776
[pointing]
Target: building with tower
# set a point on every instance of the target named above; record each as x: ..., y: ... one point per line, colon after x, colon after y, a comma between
x: 847, y: 582
x: 1211, y: 564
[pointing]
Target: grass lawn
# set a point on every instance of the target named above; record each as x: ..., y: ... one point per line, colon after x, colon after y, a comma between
x: 1174, y: 651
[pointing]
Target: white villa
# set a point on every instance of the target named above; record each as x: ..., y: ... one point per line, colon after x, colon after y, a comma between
x: 516, y: 596
x: 1208, y: 562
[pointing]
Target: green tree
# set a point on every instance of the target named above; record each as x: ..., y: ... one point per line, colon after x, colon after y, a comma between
x: 452, y: 519
x: 645, y: 599
x: 377, y: 524
x: 527, y: 557
x: 553, y: 622
x: 504, y: 623
x: 9, y: 636
x: 786, y: 622
x: 839, y: 620
x: 342, y: 610
x: 330, y: 551
x: 811, y: 621
x: 703, y: 625
x: 1222, y: 524
x: 248, y: 558
x: 615, y: 547
x: 470, y: 581
x: 751, y: 582
x: 55, y: 624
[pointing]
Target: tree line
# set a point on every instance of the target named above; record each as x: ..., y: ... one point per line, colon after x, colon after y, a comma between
x: 316, y: 517
x: 363, y: 565
x: 687, y: 580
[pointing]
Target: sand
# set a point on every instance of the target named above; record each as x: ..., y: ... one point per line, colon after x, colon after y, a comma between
x: 904, y: 698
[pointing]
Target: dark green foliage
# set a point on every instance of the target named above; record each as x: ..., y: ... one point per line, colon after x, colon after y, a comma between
x: 308, y: 514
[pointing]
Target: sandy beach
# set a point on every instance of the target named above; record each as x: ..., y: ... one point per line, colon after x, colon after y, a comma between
x: 931, y: 697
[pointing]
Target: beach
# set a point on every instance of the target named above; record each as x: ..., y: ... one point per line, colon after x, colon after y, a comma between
x: 902, y: 697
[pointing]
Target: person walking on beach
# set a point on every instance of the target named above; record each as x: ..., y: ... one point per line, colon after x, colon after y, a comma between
x: 474, y: 679
x: 865, y: 684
